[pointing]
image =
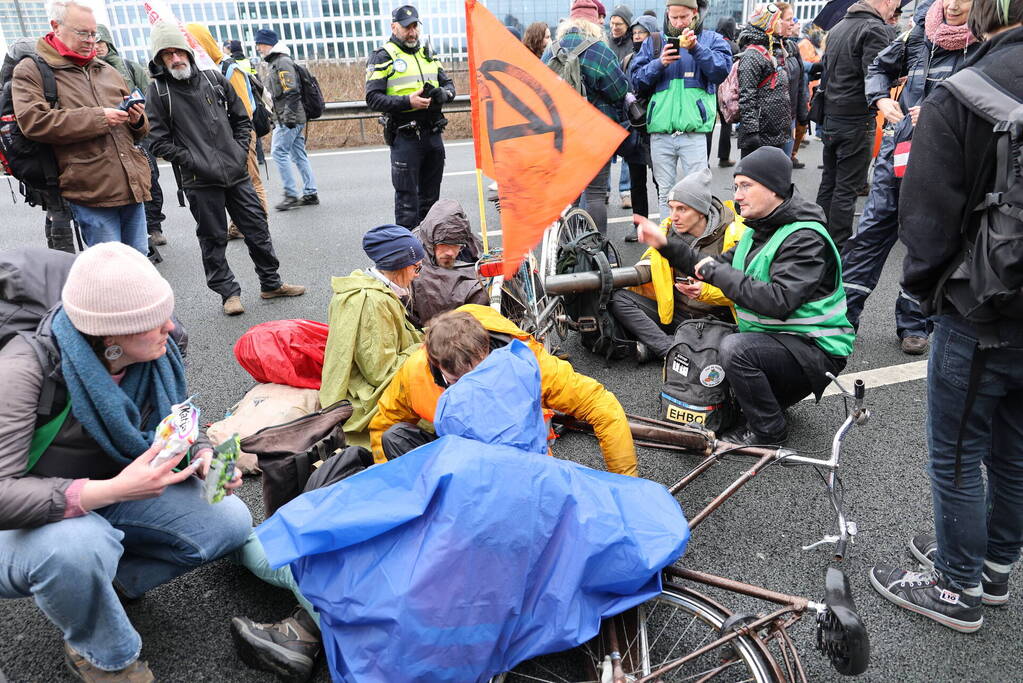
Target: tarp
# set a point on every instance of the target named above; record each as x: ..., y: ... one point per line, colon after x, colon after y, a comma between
x: 286, y: 352
x: 475, y: 552
x: 533, y: 133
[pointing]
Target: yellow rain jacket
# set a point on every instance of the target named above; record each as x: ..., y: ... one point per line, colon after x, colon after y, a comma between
x: 369, y: 339
x: 238, y: 79
x: 413, y: 394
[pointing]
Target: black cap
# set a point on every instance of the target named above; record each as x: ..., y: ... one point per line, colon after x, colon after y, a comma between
x: 769, y: 166
x: 405, y: 15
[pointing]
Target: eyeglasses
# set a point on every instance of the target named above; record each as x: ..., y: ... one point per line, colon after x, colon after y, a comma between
x: 88, y: 36
x: 419, y: 267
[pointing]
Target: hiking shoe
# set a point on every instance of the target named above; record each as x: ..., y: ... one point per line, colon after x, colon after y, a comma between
x: 158, y: 238
x: 288, y: 648
x: 284, y: 290
x: 289, y: 203
x: 310, y: 200
x: 994, y: 584
x: 744, y: 436
x: 796, y: 163
x: 930, y: 594
x: 643, y: 353
x: 626, y: 200
x: 725, y: 163
x: 136, y: 672
x: 233, y: 305
x: 914, y: 346
x: 233, y: 233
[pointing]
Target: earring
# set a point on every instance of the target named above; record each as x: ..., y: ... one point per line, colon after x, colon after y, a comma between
x: 113, y: 352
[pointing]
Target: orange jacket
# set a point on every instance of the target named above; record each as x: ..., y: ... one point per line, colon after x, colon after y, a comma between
x: 412, y: 396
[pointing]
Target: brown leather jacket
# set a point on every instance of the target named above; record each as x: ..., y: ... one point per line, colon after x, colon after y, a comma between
x: 99, y: 165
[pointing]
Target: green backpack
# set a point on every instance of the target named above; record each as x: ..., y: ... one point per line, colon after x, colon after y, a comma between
x: 565, y: 63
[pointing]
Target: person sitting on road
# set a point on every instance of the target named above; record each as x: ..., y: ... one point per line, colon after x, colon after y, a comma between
x: 92, y: 521
x: 653, y: 311
x: 784, y: 278
x: 447, y: 281
x: 455, y: 343
x: 370, y: 334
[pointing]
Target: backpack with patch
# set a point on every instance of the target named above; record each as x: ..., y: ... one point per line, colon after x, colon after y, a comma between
x: 31, y: 280
x: 312, y: 96
x: 695, y: 390
x: 262, y: 121
x: 565, y: 63
x: 986, y: 283
x: 31, y: 163
x: 598, y: 329
x: 728, y: 91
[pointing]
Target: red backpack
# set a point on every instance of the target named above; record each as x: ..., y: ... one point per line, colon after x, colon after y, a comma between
x: 728, y: 91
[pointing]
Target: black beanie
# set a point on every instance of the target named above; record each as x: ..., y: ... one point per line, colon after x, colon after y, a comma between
x: 769, y: 166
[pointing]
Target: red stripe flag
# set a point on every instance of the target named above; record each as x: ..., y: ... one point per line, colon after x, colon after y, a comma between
x: 533, y: 133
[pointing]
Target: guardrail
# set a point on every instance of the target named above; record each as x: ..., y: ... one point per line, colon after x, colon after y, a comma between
x: 349, y: 111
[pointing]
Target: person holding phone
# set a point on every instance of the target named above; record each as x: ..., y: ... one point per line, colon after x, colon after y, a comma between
x: 682, y: 80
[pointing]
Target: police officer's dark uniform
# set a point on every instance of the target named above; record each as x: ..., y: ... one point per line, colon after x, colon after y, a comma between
x: 393, y: 73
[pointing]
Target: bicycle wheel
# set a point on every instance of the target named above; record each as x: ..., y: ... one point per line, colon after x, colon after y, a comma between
x: 660, y: 631
x: 570, y: 226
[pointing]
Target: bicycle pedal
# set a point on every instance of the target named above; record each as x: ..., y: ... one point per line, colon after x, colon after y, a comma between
x: 587, y: 324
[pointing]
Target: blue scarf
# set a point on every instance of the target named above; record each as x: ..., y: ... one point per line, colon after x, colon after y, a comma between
x: 110, y: 413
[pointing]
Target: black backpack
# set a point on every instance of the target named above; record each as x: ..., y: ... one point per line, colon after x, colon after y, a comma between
x: 695, y: 389
x: 986, y: 283
x: 598, y: 329
x: 312, y: 96
x: 31, y: 163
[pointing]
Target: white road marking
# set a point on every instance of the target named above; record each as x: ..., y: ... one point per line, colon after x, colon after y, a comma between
x: 879, y: 377
x: 367, y: 150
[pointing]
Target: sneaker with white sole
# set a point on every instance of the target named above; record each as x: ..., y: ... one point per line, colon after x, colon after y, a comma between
x: 929, y: 594
x: 994, y: 584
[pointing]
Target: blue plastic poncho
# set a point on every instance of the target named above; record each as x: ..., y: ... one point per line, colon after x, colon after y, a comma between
x: 477, y: 551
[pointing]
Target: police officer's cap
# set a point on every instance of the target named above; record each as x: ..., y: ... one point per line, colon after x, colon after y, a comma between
x: 405, y: 15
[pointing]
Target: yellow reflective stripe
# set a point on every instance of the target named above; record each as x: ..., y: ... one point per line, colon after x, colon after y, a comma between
x: 402, y: 81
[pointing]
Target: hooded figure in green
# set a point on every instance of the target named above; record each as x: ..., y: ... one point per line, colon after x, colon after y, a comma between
x: 133, y: 73
x: 370, y: 335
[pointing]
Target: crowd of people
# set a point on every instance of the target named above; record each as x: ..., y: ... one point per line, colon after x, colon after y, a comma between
x: 87, y: 521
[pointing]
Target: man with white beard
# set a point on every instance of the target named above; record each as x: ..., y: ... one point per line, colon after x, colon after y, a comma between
x: 199, y: 124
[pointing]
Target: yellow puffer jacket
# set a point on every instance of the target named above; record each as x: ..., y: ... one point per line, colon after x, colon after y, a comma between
x: 661, y: 287
x: 412, y: 396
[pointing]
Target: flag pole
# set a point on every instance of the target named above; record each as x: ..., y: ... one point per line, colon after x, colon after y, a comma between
x: 474, y: 115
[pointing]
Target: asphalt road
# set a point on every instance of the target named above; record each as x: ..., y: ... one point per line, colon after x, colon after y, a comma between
x: 756, y: 537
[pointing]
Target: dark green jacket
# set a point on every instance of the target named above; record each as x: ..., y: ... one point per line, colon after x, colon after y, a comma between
x: 133, y: 73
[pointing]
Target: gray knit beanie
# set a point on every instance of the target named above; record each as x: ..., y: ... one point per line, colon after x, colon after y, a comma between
x: 114, y: 289
x: 694, y: 191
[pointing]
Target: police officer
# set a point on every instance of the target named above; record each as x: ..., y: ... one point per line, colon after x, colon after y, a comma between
x: 408, y: 85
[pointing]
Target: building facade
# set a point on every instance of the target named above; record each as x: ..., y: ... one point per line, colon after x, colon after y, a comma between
x: 22, y: 19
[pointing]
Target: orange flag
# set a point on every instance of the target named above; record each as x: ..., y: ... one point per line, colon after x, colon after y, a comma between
x: 533, y: 133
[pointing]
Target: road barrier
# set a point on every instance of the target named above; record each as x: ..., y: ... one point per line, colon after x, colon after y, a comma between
x: 349, y: 111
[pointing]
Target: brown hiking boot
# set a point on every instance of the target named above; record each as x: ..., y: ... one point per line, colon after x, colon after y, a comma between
x: 284, y: 290
x: 158, y: 238
x: 914, y: 346
x: 288, y: 648
x: 136, y: 672
x: 233, y: 233
x: 233, y: 305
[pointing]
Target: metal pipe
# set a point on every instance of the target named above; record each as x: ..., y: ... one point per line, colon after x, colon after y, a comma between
x: 573, y: 283
x: 797, y: 603
x: 730, y: 491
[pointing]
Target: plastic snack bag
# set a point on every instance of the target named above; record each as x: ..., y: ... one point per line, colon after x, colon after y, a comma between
x: 221, y: 469
x: 176, y: 432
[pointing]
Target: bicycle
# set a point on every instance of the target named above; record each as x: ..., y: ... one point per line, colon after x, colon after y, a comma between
x: 684, y: 635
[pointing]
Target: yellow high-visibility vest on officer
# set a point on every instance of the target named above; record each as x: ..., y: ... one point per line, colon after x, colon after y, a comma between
x: 408, y: 85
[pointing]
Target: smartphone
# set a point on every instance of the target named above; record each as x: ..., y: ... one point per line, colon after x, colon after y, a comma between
x: 136, y: 97
x: 428, y: 88
x: 684, y: 280
x: 674, y: 42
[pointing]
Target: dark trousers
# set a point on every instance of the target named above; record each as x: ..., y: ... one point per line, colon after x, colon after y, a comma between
x: 865, y: 253
x: 765, y: 378
x: 640, y: 201
x: 639, y: 316
x: 746, y: 151
x: 594, y: 197
x: 403, y: 437
x: 59, y: 233
x: 207, y: 205
x: 154, y: 207
x: 417, y: 167
x: 847, y: 146
x: 724, y: 141
x: 978, y: 519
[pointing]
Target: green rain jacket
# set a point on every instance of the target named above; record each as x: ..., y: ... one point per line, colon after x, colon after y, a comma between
x: 133, y: 73
x: 369, y: 339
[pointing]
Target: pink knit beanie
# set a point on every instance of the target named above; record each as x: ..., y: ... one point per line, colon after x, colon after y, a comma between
x: 114, y: 289
x: 584, y: 9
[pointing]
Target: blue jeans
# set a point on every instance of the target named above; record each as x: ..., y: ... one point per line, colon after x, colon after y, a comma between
x: 975, y: 522
x: 69, y: 567
x: 667, y: 153
x: 624, y: 182
x: 288, y: 145
x: 252, y: 556
x: 125, y: 224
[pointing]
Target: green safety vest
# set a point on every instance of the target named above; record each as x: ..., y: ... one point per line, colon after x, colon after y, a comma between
x: 406, y: 73
x: 823, y: 320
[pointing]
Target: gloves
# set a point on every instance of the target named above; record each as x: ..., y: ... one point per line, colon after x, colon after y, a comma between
x: 439, y: 95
